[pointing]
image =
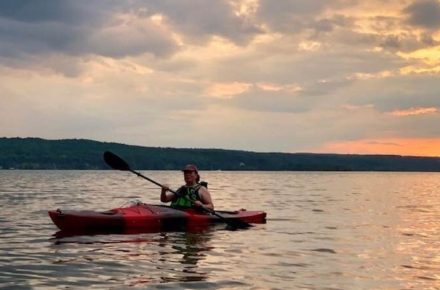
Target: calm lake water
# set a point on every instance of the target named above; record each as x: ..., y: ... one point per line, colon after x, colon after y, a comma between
x: 324, y: 231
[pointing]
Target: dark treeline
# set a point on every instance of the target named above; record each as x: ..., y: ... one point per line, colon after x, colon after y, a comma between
x: 36, y: 153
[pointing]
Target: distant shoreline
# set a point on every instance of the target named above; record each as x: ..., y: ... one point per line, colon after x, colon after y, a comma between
x: 82, y: 154
x: 235, y: 171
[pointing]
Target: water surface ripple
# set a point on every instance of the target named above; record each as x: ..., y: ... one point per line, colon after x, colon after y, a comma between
x: 324, y: 231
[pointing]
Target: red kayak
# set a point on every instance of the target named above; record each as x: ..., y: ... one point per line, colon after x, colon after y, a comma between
x: 147, y: 217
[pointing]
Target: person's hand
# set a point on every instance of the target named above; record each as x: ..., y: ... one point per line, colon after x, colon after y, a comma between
x: 165, y: 188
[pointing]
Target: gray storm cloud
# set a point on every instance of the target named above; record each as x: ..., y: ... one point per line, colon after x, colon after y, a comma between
x: 424, y: 13
x: 199, y: 19
x: 77, y: 28
x: 91, y: 27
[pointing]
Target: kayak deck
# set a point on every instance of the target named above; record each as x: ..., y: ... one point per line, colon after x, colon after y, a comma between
x: 146, y: 217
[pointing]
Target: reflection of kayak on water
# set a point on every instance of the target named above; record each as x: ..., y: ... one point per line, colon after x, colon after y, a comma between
x: 174, y: 255
x: 63, y: 236
x: 147, y: 217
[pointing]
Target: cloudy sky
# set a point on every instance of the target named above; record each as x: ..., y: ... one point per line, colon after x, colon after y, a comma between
x: 344, y: 76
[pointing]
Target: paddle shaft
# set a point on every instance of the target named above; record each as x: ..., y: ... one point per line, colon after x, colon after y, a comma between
x: 151, y: 180
x: 118, y: 163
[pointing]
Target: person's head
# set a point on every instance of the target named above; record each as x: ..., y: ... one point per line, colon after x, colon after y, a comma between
x: 191, y: 174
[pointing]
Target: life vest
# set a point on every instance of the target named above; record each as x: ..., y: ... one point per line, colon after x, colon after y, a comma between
x: 186, y: 195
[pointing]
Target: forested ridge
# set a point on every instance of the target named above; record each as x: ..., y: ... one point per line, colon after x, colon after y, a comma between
x: 36, y: 153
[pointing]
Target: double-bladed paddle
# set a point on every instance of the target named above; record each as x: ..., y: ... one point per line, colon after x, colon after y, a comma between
x: 116, y: 162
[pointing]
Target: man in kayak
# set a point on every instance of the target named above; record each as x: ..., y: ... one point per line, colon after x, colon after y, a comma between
x: 192, y: 194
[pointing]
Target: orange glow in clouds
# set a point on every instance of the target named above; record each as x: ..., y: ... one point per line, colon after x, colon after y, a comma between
x: 387, y: 146
x: 227, y: 90
x: 414, y: 112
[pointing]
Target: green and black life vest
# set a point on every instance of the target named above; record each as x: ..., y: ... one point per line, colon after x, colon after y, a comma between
x: 186, y: 195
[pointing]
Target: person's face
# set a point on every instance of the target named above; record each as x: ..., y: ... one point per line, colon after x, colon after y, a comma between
x: 190, y: 176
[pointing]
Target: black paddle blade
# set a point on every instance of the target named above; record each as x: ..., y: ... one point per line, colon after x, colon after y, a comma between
x: 231, y: 224
x: 115, y: 162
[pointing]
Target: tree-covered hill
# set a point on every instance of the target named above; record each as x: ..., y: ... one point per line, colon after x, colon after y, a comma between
x: 36, y: 153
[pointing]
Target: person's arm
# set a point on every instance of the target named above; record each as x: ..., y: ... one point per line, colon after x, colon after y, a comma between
x: 165, y: 194
x: 205, y: 197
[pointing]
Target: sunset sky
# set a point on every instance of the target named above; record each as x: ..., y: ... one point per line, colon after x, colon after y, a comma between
x: 341, y: 76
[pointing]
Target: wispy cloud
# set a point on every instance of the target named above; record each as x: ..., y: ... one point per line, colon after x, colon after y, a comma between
x: 227, y: 90
x: 414, y: 112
